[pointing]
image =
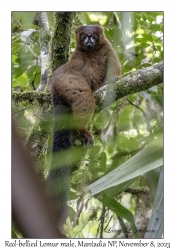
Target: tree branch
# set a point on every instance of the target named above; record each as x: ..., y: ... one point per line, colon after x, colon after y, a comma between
x: 60, y: 40
x: 131, y: 83
x: 127, y: 84
x: 43, y: 25
x: 37, y: 140
x: 32, y: 97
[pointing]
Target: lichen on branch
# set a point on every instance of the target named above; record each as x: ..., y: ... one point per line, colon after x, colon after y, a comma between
x: 133, y: 82
x: 60, y: 40
x: 31, y: 97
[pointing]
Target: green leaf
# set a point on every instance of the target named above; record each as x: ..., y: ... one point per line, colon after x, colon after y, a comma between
x: 155, y: 27
x: 25, y: 18
x: 71, y: 213
x: 17, y: 72
x: 153, y: 89
x: 94, y: 151
x: 14, y: 235
x: 145, y: 95
x: 120, y: 211
x: 149, y: 158
x: 127, y: 144
x: 14, y: 57
x: 102, y: 160
x: 123, y: 123
x: 152, y: 178
x: 72, y: 195
x: 20, y: 81
x: 16, y: 48
x: 36, y: 49
x: 159, y: 99
x: 155, y: 226
x: 111, y: 192
x: 31, y: 70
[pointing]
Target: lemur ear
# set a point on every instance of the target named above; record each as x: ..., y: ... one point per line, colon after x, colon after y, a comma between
x: 77, y: 29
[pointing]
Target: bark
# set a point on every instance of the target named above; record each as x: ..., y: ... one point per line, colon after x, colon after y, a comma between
x: 131, y: 83
x: 43, y: 25
x: 37, y: 141
x: 127, y: 84
x: 61, y: 38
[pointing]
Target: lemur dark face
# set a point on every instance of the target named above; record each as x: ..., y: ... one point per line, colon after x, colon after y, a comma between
x: 89, y: 37
x: 89, y: 41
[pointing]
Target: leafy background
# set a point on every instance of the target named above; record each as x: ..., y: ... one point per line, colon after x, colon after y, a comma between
x: 123, y: 169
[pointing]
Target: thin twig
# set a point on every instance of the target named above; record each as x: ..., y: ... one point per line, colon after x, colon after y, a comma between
x: 122, y: 224
x: 137, y: 191
x: 102, y: 222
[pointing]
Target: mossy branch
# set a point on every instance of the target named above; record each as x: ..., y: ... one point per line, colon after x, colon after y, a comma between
x: 60, y: 40
x: 37, y: 140
x: 127, y: 84
x: 31, y: 97
x: 131, y: 83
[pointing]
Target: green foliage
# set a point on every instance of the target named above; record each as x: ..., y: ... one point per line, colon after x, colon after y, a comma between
x: 156, y: 221
x: 25, y: 52
x: 120, y: 211
x: 149, y: 158
x: 127, y: 135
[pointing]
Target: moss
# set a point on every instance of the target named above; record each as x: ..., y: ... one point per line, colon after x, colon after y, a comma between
x: 32, y: 97
x: 38, y: 135
x: 37, y: 140
x: 61, y: 38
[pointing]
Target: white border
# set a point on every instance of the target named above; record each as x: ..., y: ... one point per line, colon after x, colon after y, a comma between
x: 5, y: 94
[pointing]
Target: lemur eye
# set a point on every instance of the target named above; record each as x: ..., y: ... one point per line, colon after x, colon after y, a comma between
x: 95, y: 36
x: 83, y: 36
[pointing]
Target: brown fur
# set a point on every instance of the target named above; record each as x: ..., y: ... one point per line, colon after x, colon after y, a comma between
x: 93, y: 64
x: 88, y: 69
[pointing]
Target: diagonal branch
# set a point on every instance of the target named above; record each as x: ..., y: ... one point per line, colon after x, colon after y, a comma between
x: 43, y: 25
x: 133, y: 82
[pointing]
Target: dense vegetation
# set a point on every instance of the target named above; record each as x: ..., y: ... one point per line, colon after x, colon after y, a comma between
x: 123, y: 170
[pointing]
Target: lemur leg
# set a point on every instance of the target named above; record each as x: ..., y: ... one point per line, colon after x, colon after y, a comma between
x: 83, y: 108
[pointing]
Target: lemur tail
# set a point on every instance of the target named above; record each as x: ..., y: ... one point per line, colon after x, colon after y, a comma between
x: 59, y: 173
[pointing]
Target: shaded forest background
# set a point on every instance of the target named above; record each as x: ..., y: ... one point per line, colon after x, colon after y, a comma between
x: 123, y: 170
